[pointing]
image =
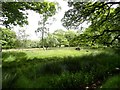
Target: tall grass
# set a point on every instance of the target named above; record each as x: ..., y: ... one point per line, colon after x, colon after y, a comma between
x: 112, y: 82
x: 59, y: 68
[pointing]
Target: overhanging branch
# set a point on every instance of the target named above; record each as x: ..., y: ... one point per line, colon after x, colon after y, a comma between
x: 106, y: 31
x: 112, y: 3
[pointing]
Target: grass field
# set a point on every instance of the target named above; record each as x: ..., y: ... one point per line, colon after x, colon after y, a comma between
x: 60, y: 68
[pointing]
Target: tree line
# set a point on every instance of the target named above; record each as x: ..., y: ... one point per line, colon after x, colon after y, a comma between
x: 58, y: 38
x: 104, y: 19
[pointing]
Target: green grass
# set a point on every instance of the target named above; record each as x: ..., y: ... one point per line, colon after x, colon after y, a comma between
x: 12, y: 55
x: 58, y: 68
x: 112, y: 82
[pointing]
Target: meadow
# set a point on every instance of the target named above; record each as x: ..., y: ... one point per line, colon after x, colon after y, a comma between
x: 61, y: 68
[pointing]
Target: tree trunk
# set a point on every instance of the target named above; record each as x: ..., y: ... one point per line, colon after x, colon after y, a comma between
x: 43, y: 39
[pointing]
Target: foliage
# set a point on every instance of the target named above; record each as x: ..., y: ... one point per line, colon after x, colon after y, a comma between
x: 60, y: 36
x: 102, y: 37
x: 70, y: 35
x: 14, y: 12
x: 50, y: 40
x: 34, y: 44
x: 8, y: 39
x: 104, y: 19
x: 48, y: 12
x: 22, y: 38
x: 42, y: 29
x: 81, y: 40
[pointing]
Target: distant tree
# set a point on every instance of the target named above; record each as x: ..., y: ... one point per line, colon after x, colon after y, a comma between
x: 51, y: 40
x: 8, y: 39
x: 69, y: 35
x: 33, y: 43
x: 47, y: 13
x: 60, y: 36
x: 42, y: 29
x: 22, y: 37
x: 81, y: 40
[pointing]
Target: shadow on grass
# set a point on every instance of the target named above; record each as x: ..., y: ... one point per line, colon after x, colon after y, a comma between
x: 13, y: 59
x: 69, y: 71
x: 15, y: 55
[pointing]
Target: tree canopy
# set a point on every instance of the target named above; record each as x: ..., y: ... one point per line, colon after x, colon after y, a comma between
x: 14, y: 12
x: 8, y: 39
x: 103, y: 16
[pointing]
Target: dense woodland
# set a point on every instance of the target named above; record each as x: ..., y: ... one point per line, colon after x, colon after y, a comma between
x: 58, y: 65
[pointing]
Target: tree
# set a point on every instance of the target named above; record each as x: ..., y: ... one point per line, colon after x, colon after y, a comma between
x: 14, y: 12
x: 33, y: 43
x: 51, y: 41
x: 48, y: 12
x: 8, y: 39
x: 60, y: 36
x: 69, y: 35
x: 103, y: 17
x: 22, y: 37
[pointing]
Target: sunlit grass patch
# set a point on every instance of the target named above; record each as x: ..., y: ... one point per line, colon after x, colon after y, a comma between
x: 10, y: 59
x: 56, y: 53
x: 18, y: 55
